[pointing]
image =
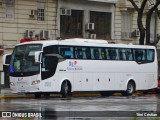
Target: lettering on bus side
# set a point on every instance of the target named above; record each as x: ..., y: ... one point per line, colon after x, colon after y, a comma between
x: 73, y: 65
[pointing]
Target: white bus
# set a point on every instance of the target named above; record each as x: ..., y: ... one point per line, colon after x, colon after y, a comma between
x: 72, y: 65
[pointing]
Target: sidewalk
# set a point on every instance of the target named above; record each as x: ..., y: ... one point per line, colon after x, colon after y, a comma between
x: 6, y: 93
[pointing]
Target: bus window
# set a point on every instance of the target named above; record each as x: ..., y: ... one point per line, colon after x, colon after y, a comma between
x: 66, y: 52
x: 103, y: 54
x: 96, y: 53
x: 129, y: 55
x: 122, y: 54
x: 139, y: 55
x: 150, y: 55
x: 125, y: 54
x: 82, y: 53
x: 113, y: 54
x: 87, y: 53
x: 79, y: 53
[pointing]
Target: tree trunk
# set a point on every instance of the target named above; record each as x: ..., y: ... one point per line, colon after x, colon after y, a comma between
x: 140, y: 23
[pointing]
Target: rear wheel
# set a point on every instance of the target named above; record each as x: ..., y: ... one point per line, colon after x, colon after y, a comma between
x: 65, y: 89
x: 130, y: 89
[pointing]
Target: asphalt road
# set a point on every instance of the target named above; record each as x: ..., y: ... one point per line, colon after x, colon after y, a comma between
x: 83, y: 108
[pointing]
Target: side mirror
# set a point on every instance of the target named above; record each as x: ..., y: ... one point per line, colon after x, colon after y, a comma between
x: 6, y: 59
x: 37, y: 56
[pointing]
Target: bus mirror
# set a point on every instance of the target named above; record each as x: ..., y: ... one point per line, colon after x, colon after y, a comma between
x: 6, y: 59
x: 37, y: 56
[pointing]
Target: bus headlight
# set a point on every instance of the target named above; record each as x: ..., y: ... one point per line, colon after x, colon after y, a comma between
x: 12, y: 84
x: 35, y: 82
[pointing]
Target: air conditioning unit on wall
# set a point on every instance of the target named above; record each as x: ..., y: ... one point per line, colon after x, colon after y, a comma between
x: 44, y: 34
x: 32, y: 13
x: 135, y: 33
x: 29, y: 34
x: 90, y: 26
x: 92, y: 36
x: 65, y: 11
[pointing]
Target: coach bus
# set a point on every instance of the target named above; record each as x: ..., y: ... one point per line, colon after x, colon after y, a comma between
x: 77, y: 65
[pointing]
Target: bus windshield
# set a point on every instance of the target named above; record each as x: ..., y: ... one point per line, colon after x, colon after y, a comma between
x: 22, y: 60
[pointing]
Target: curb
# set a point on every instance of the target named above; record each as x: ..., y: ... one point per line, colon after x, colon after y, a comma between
x: 58, y: 95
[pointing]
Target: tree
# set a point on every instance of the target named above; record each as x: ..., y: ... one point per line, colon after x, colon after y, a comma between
x: 139, y: 19
x: 148, y: 22
x: 148, y: 19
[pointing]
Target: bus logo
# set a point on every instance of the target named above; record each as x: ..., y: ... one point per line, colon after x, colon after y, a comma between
x: 73, y: 66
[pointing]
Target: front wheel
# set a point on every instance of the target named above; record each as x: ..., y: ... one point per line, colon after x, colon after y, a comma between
x: 65, y: 89
x: 130, y: 89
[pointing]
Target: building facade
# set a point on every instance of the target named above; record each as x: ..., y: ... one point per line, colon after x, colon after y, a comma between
x: 26, y: 19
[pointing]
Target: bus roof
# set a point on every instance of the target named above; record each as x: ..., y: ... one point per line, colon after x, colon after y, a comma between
x: 85, y: 42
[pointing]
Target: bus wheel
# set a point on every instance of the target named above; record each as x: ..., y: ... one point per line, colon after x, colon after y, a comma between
x: 130, y: 89
x: 37, y: 95
x: 65, y: 89
x: 106, y: 93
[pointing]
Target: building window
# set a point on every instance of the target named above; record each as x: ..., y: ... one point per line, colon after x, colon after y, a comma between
x: 126, y: 25
x: 102, y: 24
x: 10, y: 9
x: 41, y: 10
x: 71, y: 24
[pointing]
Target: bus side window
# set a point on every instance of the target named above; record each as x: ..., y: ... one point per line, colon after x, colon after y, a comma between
x: 113, y: 54
x: 88, y: 53
x: 66, y: 52
x: 139, y: 55
x: 150, y: 55
x: 78, y: 53
x: 129, y: 55
x: 96, y: 53
x: 102, y: 54
x: 122, y: 55
x: 107, y: 54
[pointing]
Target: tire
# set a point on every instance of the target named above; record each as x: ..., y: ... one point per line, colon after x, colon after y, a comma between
x: 106, y: 93
x: 65, y: 89
x: 37, y: 95
x: 130, y: 89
